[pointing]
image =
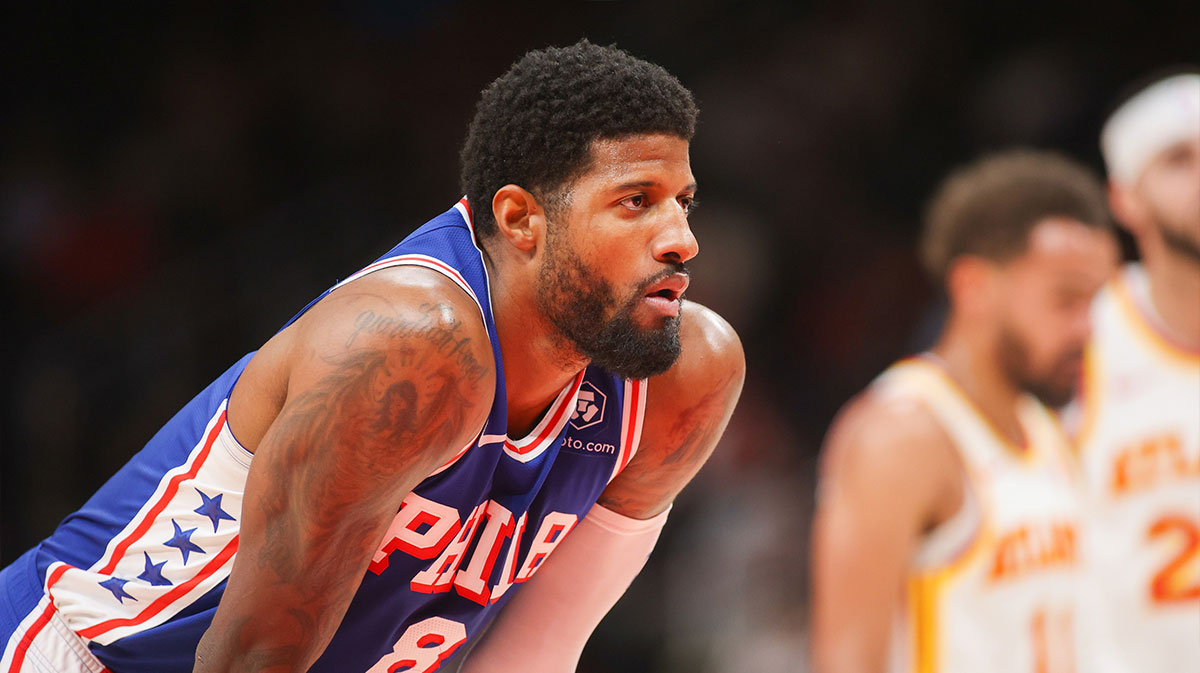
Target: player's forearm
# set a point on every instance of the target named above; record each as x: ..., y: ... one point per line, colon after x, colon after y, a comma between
x: 849, y: 636
x: 848, y: 655
x: 851, y: 620
x: 544, y: 628
x: 856, y: 581
x: 278, y: 643
x: 284, y: 603
x: 853, y: 609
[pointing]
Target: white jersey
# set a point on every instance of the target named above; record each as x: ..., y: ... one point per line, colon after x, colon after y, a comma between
x: 994, y: 587
x: 1140, y: 451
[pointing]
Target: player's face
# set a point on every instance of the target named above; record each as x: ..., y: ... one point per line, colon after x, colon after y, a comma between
x: 612, y: 276
x: 1043, y: 299
x: 1170, y: 190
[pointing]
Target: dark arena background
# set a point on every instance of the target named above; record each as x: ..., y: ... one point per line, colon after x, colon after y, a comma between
x: 177, y: 180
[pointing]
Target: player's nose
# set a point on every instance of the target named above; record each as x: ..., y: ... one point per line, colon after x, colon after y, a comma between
x: 674, y: 240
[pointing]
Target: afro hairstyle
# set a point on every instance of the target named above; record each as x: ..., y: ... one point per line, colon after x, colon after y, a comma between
x: 534, y: 125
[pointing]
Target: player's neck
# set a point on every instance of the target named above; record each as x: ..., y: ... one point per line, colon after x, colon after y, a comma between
x: 536, y: 368
x: 1175, y: 295
x: 970, y: 361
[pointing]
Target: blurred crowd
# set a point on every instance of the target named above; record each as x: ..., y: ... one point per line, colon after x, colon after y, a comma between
x: 177, y: 180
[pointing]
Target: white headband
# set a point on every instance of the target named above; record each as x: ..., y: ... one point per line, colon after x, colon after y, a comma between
x: 1162, y: 114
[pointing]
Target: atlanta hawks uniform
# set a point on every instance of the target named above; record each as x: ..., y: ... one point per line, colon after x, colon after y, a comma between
x: 992, y: 588
x: 132, y: 580
x: 1140, y: 450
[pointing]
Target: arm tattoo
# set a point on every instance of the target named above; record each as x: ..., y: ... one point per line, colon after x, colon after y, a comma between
x: 338, y: 452
x: 427, y: 327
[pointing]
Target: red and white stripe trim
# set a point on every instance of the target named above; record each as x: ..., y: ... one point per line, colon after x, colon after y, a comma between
x: 546, y: 432
x: 168, y: 487
x: 44, y: 642
x: 88, y: 607
x: 163, y: 602
x: 464, y: 209
x: 633, y: 413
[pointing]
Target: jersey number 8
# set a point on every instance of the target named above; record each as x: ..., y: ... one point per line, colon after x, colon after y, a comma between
x: 423, y: 647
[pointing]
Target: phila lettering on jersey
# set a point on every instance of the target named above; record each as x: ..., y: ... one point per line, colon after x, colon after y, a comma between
x: 132, y: 580
x: 1139, y: 446
x: 993, y: 588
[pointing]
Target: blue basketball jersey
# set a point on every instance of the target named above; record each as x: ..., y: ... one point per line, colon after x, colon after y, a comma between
x: 138, y: 571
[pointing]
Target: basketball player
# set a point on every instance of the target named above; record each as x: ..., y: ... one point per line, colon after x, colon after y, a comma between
x: 1140, y: 438
x: 520, y: 377
x: 945, y: 535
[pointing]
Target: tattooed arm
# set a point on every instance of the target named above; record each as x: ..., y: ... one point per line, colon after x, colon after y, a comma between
x: 687, y: 409
x: 371, y: 390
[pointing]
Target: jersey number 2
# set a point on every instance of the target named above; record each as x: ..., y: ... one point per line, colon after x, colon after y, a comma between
x: 1179, y: 579
x: 423, y: 647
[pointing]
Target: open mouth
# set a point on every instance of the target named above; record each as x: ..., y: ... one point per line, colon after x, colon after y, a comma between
x: 670, y: 288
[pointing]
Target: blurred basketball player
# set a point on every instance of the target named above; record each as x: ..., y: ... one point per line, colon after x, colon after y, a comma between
x: 945, y: 534
x: 1140, y: 439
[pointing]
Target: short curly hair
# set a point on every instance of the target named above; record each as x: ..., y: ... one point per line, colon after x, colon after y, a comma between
x: 988, y: 208
x: 535, y: 124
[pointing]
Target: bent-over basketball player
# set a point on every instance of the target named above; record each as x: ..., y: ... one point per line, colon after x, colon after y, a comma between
x: 487, y: 425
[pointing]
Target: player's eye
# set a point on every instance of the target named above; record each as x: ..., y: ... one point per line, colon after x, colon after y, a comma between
x: 1180, y: 156
x: 635, y: 202
x: 1071, y: 299
x: 689, y: 203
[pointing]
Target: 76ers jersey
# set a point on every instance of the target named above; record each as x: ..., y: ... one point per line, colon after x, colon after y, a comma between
x: 1140, y: 450
x: 136, y: 574
x: 992, y: 589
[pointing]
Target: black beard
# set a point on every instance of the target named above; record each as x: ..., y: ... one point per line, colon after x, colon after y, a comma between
x: 1013, y: 359
x: 577, y: 300
x: 1180, y: 244
x: 1174, y: 240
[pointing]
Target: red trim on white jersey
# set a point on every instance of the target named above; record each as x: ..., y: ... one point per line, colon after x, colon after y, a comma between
x: 176, y: 593
x: 543, y: 436
x: 78, y: 595
x: 49, y: 646
x: 43, y: 611
x: 633, y: 415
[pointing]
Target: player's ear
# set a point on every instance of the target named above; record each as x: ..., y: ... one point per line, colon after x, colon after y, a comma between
x: 969, y: 282
x: 520, y: 219
x: 1128, y: 208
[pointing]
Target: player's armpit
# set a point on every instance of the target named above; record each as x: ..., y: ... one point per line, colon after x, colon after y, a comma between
x: 386, y: 382
x: 687, y: 409
x: 888, y: 473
